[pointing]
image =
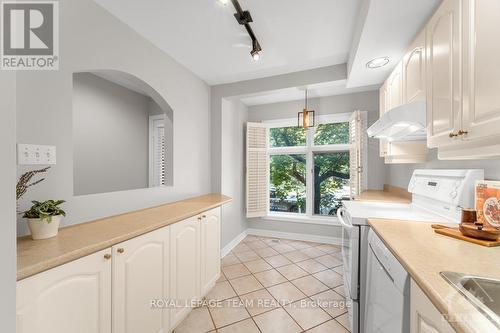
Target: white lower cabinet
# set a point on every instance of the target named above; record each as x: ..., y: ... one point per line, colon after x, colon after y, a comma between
x: 75, y: 297
x: 425, y: 318
x: 127, y: 288
x: 140, y: 278
x: 184, y: 266
x: 210, y: 249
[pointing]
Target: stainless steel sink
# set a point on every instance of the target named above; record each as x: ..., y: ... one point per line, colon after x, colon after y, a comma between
x: 483, y: 293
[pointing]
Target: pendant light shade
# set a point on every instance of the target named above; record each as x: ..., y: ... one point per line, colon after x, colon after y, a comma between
x: 306, y: 118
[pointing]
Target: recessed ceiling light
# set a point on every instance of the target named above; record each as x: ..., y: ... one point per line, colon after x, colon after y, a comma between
x: 377, y: 62
x: 223, y: 2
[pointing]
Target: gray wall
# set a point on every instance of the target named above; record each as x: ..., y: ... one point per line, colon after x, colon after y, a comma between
x: 45, y: 102
x: 8, y: 201
x: 234, y: 117
x: 364, y: 101
x: 400, y: 174
x: 110, y: 136
x: 235, y: 223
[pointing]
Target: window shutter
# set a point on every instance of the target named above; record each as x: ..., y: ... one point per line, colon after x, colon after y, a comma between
x: 358, y: 152
x: 256, y: 170
x: 158, y: 152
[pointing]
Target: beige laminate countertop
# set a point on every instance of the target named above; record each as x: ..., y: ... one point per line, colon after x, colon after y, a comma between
x: 79, y: 240
x: 424, y: 254
x: 384, y: 196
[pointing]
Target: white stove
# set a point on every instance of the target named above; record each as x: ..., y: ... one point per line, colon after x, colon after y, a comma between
x: 438, y: 196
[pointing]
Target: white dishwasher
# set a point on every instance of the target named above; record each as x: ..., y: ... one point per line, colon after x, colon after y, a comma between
x: 387, y: 291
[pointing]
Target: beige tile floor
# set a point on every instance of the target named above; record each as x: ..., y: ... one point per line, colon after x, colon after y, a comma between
x: 275, y: 285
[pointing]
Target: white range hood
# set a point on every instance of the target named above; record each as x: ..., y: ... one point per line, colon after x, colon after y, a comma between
x: 403, y: 123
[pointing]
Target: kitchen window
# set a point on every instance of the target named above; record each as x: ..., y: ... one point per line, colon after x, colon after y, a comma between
x: 308, y: 170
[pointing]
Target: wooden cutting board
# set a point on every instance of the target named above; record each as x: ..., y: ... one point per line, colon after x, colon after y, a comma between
x: 455, y: 233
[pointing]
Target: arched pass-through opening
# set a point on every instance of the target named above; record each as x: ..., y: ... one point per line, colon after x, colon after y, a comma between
x: 122, y: 133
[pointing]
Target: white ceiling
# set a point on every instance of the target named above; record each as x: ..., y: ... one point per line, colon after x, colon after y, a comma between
x: 204, y: 36
x: 297, y: 93
x: 295, y: 35
x: 385, y: 28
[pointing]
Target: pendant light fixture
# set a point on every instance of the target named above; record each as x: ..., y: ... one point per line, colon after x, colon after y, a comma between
x: 306, y: 118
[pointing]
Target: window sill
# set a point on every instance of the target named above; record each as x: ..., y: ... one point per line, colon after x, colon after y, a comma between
x: 332, y: 221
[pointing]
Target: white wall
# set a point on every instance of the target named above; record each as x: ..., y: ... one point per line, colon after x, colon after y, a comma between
x: 400, y: 174
x: 110, y: 136
x: 92, y: 39
x: 365, y: 101
x: 234, y: 117
x: 8, y: 201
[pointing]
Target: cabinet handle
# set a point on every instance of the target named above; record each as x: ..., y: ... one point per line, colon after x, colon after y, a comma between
x: 452, y: 135
x: 462, y: 132
x: 204, y: 216
x: 107, y: 256
x: 120, y: 250
x: 199, y: 218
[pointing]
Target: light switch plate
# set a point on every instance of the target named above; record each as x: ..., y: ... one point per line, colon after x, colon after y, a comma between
x: 35, y: 154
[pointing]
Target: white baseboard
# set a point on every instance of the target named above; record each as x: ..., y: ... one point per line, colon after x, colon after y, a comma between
x: 236, y: 240
x: 294, y: 236
x: 278, y: 234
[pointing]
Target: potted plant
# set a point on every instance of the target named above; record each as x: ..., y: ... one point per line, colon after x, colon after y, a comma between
x: 44, y: 218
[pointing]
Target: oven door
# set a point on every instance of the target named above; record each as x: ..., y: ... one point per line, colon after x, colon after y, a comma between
x: 350, y: 253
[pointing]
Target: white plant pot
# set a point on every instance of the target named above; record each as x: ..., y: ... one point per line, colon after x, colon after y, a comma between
x: 43, y: 229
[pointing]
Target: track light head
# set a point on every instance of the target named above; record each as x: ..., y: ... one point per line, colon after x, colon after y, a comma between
x: 256, y: 49
x: 255, y: 55
x: 243, y: 17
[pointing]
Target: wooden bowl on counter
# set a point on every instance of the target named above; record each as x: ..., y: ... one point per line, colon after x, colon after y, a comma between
x: 479, y: 231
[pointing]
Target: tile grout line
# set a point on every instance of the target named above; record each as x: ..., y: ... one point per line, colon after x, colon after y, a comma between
x: 250, y: 315
x: 286, y: 281
x: 291, y: 281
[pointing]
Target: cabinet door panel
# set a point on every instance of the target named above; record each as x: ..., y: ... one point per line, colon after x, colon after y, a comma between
x: 395, y: 87
x: 140, y: 275
x: 414, y: 71
x: 185, y: 266
x: 424, y: 317
x: 443, y: 73
x: 210, y: 249
x: 383, y: 104
x: 74, y: 297
x: 482, y: 79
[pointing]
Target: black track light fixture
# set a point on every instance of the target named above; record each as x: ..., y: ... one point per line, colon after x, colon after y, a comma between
x: 243, y: 17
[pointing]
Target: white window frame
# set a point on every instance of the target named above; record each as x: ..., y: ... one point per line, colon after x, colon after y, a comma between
x: 309, y: 149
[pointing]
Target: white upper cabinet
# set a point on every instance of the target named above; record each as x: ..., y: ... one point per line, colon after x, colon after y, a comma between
x: 184, y: 266
x: 395, y: 88
x: 406, y: 84
x: 444, y: 97
x: 75, y: 297
x: 414, y: 71
x: 210, y: 249
x: 481, y: 69
x: 383, y: 95
x: 140, y: 275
